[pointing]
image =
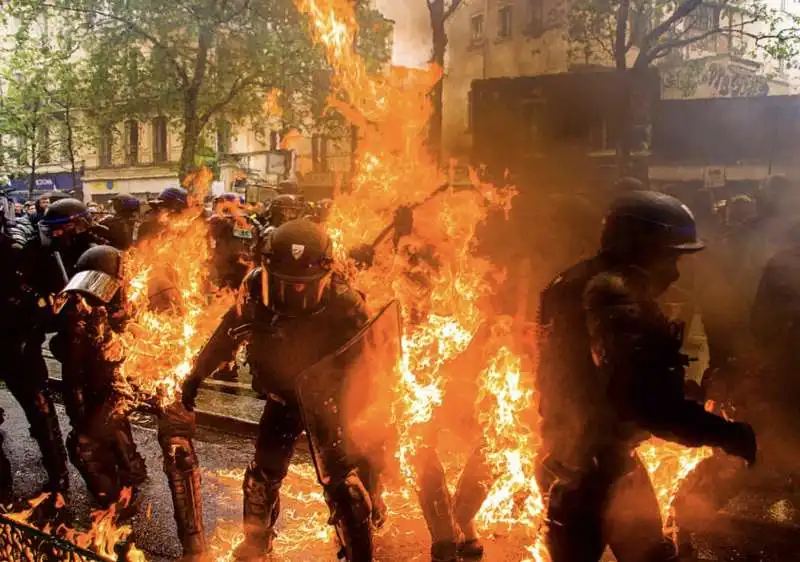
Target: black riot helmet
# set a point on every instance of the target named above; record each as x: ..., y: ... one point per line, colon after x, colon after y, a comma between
x: 175, y: 199
x: 98, y: 274
x: 297, y: 259
x: 644, y: 224
x: 228, y: 201
x: 126, y: 205
x: 62, y: 221
x: 285, y: 208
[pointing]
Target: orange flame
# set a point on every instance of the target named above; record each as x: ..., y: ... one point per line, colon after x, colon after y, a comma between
x: 173, y: 308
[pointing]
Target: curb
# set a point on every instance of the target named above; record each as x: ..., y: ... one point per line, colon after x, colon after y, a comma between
x: 206, y: 420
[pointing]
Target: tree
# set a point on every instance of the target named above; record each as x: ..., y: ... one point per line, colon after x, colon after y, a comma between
x: 200, y: 61
x: 25, y: 113
x: 440, y: 12
x: 635, y: 34
x: 42, y: 99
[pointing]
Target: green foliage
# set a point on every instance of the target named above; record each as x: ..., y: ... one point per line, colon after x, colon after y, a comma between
x: 646, y: 32
x: 200, y: 61
x: 41, y: 96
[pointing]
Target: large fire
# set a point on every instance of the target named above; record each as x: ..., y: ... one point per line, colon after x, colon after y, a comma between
x: 433, y: 271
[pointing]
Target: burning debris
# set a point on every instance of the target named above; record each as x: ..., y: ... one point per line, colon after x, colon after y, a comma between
x: 106, y: 540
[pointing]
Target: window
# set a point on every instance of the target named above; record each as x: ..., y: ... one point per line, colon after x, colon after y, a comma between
x: 476, y: 28
x: 131, y: 142
x: 106, y: 149
x: 704, y: 18
x: 504, y: 22
x: 160, y: 139
x: 536, y: 16
x: 319, y: 153
x: 43, y: 143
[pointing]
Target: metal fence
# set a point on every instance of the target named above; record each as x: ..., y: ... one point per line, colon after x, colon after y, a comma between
x: 22, y: 543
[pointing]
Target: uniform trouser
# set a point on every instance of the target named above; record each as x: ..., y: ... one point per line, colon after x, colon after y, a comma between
x: 613, y: 505
x: 101, y: 447
x: 446, y: 515
x: 351, y: 508
x: 176, y: 427
x: 25, y: 373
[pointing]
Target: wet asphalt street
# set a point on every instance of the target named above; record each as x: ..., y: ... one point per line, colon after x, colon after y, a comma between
x: 761, y: 525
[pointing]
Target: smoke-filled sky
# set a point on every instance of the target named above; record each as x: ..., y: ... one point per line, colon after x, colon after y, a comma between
x: 412, y: 31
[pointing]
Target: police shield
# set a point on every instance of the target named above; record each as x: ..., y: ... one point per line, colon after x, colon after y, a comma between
x: 346, y: 397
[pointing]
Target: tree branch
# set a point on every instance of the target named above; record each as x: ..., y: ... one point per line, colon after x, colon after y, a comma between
x: 619, y: 39
x: 454, y: 4
x: 136, y: 29
x: 237, y: 88
x: 662, y: 48
x: 680, y: 12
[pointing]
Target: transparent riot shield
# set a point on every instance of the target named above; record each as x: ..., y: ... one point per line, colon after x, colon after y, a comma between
x: 345, y: 398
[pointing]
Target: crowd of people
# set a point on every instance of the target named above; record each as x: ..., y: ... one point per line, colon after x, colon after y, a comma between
x: 611, y: 370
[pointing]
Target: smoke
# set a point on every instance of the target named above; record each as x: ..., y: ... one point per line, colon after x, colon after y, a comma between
x: 412, y: 36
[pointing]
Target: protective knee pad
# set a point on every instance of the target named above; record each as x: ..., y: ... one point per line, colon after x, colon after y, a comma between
x: 183, y: 475
x: 179, y: 455
x: 187, y: 502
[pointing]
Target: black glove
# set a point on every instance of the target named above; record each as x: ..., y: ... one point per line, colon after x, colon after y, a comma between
x: 363, y: 255
x: 189, y: 391
x: 740, y: 441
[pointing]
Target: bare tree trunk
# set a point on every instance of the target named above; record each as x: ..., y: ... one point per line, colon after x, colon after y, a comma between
x: 71, y: 145
x: 191, y: 139
x: 32, y: 162
x: 436, y: 9
x: 192, y: 123
x: 624, y: 124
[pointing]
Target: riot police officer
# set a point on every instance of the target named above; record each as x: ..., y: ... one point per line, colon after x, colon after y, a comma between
x: 610, y: 374
x: 122, y: 224
x: 13, y: 230
x: 171, y: 201
x: 285, y: 208
x: 43, y: 264
x: 231, y: 239
x: 101, y: 443
x: 293, y: 313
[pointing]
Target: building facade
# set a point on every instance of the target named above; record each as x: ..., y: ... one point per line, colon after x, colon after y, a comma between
x: 510, y: 38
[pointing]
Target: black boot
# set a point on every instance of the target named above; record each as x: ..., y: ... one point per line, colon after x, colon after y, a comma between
x: 261, y: 508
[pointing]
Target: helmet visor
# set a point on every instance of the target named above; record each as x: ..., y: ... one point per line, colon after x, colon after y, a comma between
x: 95, y: 283
x: 295, y: 296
